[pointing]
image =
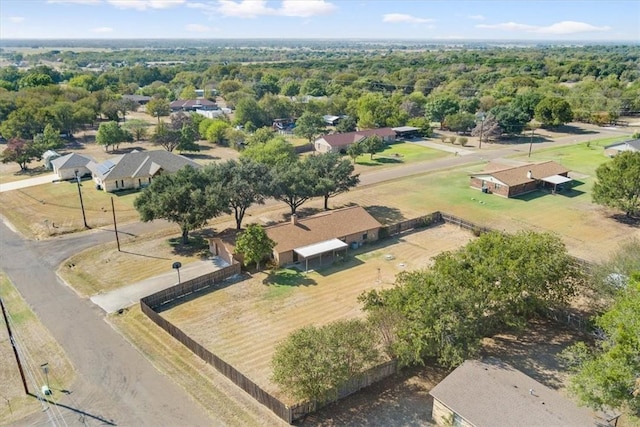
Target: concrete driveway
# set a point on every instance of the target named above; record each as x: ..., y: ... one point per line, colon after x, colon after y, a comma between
x: 30, y: 182
x: 131, y: 294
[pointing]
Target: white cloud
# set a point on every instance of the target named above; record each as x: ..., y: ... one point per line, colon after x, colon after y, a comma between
x: 145, y: 4
x: 198, y: 28
x: 75, y: 1
x: 255, y: 8
x: 476, y: 17
x: 561, y: 28
x: 401, y: 18
x: 16, y: 19
x: 102, y: 30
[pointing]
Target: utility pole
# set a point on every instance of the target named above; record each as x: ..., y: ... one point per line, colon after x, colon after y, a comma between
x: 115, y: 226
x: 533, y: 130
x: 84, y: 218
x: 15, y: 349
x: 482, y: 117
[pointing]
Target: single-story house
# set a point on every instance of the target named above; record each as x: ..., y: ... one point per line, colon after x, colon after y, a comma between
x: 319, y: 237
x: 192, y: 105
x: 407, y: 132
x: 612, y: 150
x: 514, y: 181
x: 135, y: 170
x: 338, y: 142
x: 67, y: 167
x: 47, y: 157
x: 139, y: 99
x: 492, y: 393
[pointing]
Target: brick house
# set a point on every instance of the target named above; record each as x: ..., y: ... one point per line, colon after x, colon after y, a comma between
x: 318, y: 238
x: 514, y: 181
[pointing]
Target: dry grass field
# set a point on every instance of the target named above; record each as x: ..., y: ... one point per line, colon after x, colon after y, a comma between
x: 36, y: 346
x: 252, y: 316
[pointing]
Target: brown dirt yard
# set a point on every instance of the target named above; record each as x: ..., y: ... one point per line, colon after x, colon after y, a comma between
x: 253, y: 315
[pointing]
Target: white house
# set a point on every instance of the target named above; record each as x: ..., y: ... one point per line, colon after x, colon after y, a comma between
x: 67, y: 167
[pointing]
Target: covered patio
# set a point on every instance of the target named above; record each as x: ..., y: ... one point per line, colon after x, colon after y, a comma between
x: 555, y: 181
x: 316, y: 251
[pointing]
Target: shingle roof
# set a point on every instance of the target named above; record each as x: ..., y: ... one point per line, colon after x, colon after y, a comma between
x: 191, y: 103
x: 342, y: 139
x: 518, y: 174
x: 73, y: 160
x: 634, y: 143
x: 492, y: 393
x: 318, y: 228
x: 141, y: 164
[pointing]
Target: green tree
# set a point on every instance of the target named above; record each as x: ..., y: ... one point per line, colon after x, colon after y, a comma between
x: 22, y: 123
x: 553, y: 111
x: 290, y: 88
x: 617, y: 184
x: 312, y: 363
x: 423, y: 124
x: 246, y: 182
x: 34, y: 80
x: 292, y: 183
x: 137, y: 127
x: 158, y: 107
x: 334, y: 175
x: 216, y: 132
x: 609, y: 374
x: 111, y: 134
x: 346, y: 124
x: 166, y: 137
x: 48, y: 140
x: 19, y: 151
x: 274, y: 152
x: 309, y: 126
x: 254, y: 245
x: 355, y: 150
x: 439, y: 107
x: 186, y: 198
x: 313, y: 87
x: 511, y: 119
x: 460, y: 122
x: 188, y: 92
x: 372, y: 144
x: 248, y: 110
x: 261, y: 136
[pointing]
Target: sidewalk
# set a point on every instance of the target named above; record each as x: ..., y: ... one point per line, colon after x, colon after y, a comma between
x: 131, y: 294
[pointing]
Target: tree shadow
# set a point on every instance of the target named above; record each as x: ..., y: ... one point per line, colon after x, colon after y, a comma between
x: 522, y: 140
x: 626, y: 220
x: 198, y: 244
x: 574, y: 130
x: 308, y: 211
x: 385, y: 214
x: 200, y: 156
x: 345, y: 263
x: 38, y: 170
x: 288, y: 277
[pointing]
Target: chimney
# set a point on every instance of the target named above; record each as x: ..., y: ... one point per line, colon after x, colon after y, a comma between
x: 294, y: 219
x: 529, y: 175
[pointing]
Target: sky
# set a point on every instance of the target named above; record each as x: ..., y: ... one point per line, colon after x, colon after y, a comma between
x: 577, y: 20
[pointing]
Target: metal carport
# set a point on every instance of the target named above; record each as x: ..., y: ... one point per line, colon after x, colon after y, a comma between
x: 318, y: 249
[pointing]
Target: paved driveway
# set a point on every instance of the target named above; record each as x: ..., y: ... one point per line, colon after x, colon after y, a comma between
x: 129, y: 295
x: 29, y: 182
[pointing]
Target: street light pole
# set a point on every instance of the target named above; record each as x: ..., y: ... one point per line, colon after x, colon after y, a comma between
x: 482, y: 117
x: 84, y: 218
x: 533, y: 130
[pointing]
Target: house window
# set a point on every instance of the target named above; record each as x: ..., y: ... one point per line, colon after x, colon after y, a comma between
x: 497, y: 186
x: 122, y: 183
x: 149, y: 180
x: 116, y: 184
x: 139, y: 182
x: 365, y: 236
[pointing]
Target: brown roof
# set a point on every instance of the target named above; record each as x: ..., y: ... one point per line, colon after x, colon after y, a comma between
x: 518, y: 175
x: 492, y: 393
x: 321, y: 227
x: 342, y: 139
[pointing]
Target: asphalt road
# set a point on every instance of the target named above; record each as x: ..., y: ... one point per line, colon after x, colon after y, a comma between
x: 116, y: 385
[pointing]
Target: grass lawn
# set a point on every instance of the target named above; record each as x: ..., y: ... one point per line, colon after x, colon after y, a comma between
x: 399, y: 153
x: 36, y: 346
x: 51, y: 209
x: 252, y: 316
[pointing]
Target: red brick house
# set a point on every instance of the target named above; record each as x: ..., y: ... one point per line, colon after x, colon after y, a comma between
x: 317, y: 239
x: 339, y: 142
x: 514, y: 181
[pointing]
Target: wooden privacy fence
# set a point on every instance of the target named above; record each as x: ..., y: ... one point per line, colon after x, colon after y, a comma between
x: 150, y: 304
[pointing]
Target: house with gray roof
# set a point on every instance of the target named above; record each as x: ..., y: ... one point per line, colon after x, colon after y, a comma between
x: 136, y: 170
x: 493, y: 393
x: 67, y: 167
x: 339, y: 142
x: 612, y: 150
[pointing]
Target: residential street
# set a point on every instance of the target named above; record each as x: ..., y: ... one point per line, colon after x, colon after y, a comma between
x: 116, y: 384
